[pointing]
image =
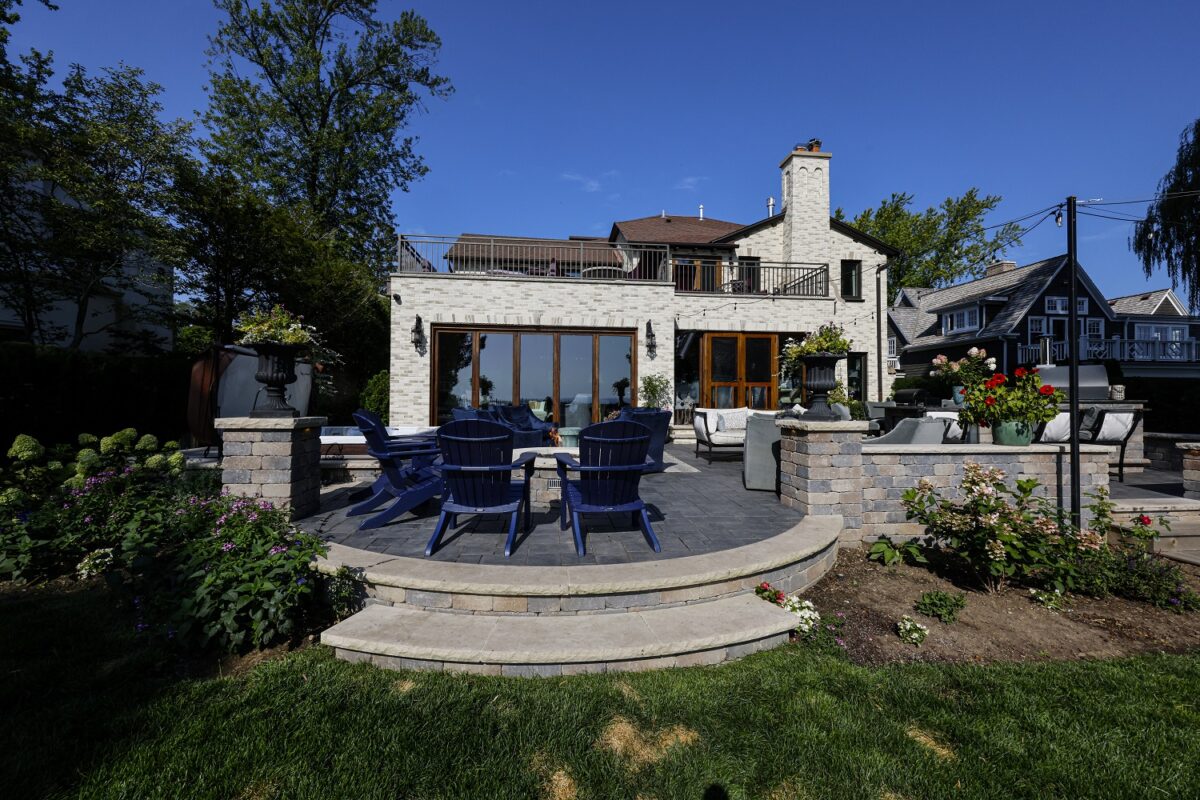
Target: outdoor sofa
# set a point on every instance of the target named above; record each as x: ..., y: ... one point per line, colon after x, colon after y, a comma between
x: 719, y: 428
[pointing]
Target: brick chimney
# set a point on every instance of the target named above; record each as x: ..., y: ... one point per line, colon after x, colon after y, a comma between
x: 805, y: 175
x: 999, y: 268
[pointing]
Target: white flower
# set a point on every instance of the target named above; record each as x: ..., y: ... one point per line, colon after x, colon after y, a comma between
x: 974, y: 351
x: 807, y: 616
x: 991, y: 363
x: 911, y: 631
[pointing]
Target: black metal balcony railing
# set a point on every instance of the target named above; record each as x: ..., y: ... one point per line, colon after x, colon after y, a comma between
x: 590, y: 259
x: 1117, y: 350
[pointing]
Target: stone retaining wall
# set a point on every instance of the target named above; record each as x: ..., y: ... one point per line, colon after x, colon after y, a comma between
x: 1161, y: 452
x: 1191, y: 469
x: 827, y: 468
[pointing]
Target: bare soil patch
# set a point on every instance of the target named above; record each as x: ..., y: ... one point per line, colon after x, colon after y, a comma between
x: 1005, y: 626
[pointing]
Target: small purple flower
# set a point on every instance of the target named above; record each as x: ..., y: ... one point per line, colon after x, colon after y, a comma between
x: 840, y: 615
x: 88, y: 519
x: 301, y: 581
x: 277, y: 549
x: 137, y: 601
x: 66, y: 505
x: 225, y: 548
x: 252, y: 517
x: 839, y: 641
x: 1174, y: 601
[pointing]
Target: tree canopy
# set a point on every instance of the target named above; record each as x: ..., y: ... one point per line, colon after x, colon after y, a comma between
x: 308, y: 99
x: 1169, y: 236
x: 940, y: 245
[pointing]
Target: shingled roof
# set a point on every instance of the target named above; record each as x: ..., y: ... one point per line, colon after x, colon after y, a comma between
x: 1144, y: 303
x: 1022, y: 287
x: 673, y: 230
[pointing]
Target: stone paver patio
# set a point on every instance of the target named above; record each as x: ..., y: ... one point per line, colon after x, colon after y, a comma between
x: 693, y: 513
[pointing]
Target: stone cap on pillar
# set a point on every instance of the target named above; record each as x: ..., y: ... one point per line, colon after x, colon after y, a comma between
x: 267, y: 423
x: 823, y: 426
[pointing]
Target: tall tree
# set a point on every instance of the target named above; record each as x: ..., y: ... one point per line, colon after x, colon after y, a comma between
x: 941, y: 244
x: 106, y: 173
x: 316, y: 118
x: 1169, y: 236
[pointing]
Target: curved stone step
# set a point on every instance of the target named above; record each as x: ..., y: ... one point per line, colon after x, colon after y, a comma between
x: 401, y: 637
x: 793, y: 560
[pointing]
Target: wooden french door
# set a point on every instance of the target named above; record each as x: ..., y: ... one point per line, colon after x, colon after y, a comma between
x: 740, y: 369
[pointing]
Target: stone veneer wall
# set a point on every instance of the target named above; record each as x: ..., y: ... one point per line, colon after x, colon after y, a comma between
x: 1191, y: 469
x: 1161, y: 451
x: 827, y: 468
x: 276, y: 459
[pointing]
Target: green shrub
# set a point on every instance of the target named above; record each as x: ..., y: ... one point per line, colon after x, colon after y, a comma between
x: 374, y: 395
x: 345, y: 592
x: 942, y: 605
x: 887, y: 552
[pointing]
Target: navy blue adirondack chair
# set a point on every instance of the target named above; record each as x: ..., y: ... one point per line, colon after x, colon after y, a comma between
x: 522, y: 438
x: 477, y: 467
x: 521, y: 418
x: 612, y: 459
x: 409, y: 475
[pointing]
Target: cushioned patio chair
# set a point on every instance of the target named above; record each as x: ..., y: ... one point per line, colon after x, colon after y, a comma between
x: 477, y: 469
x: 719, y: 427
x: 409, y: 475
x: 914, y: 430
x: 658, y: 422
x: 1115, y: 428
x: 522, y: 420
x: 612, y: 458
x: 760, y: 461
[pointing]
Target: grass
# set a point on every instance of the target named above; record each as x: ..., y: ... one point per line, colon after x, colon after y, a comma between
x: 94, y: 713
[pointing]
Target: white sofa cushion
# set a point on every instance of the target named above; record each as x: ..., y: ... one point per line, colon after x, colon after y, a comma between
x: 953, y: 429
x: 1116, y: 426
x: 729, y: 437
x: 734, y: 419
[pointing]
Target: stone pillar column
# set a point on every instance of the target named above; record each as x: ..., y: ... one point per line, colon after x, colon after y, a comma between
x: 1191, y: 469
x: 277, y: 459
x: 820, y: 470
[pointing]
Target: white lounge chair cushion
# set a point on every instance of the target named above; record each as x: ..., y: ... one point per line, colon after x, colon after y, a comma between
x: 729, y: 437
x: 733, y: 419
x: 1057, y: 429
x: 1116, y: 426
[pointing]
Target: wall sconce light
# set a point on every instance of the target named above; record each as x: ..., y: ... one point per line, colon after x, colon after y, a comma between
x: 418, y: 336
x: 396, y: 298
x: 651, y: 340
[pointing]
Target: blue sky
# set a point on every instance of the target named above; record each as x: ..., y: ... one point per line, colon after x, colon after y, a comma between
x: 567, y: 116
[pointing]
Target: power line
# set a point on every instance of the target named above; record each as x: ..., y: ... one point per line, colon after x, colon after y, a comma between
x: 1020, y: 219
x: 1164, y: 196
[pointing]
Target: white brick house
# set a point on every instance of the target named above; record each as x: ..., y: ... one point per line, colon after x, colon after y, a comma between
x: 705, y: 303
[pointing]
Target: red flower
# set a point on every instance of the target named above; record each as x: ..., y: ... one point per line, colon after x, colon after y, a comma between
x: 999, y: 378
x: 1144, y: 520
x: 962, y: 390
x: 1020, y: 373
x: 991, y: 401
x: 1034, y: 370
x: 1047, y: 390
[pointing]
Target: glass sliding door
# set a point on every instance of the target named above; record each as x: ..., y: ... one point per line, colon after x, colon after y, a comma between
x: 536, y: 351
x: 758, y: 372
x: 452, y: 379
x: 495, y: 369
x: 723, y: 373
x: 575, y: 384
x: 614, y: 366
x: 740, y: 369
x: 571, y: 378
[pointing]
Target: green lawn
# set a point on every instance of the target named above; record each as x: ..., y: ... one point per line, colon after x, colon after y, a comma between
x: 91, y: 713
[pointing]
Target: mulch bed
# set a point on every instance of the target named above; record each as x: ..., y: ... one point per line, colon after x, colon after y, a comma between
x: 1005, y: 626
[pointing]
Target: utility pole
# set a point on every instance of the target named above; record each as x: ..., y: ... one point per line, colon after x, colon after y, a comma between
x: 1073, y: 343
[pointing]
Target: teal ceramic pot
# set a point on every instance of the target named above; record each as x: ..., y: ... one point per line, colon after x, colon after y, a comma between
x: 958, y: 396
x: 1016, y: 433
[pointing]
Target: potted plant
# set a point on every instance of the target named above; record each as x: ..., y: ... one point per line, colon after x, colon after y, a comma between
x: 1012, y: 409
x: 278, y: 337
x: 967, y: 371
x: 819, y: 352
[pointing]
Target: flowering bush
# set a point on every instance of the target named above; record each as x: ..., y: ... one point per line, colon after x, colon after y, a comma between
x: 911, y: 631
x: 277, y: 326
x: 808, y: 618
x: 966, y: 371
x: 1023, y: 399
x: 999, y: 534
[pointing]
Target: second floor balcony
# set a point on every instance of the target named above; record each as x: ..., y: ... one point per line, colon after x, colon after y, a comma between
x: 690, y: 270
x: 1116, y: 349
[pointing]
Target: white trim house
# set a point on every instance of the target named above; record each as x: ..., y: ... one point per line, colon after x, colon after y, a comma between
x: 705, y: 303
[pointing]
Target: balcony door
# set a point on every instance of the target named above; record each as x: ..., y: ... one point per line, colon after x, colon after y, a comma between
x: 740, y: 369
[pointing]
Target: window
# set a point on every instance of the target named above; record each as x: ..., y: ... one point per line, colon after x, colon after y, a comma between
x: 856, y: 376
x: 1082, y: 305
x: 1094, y: 328
x: 891, y: 347
x: 1056, y: 305
x: 965, y: 320
x: 1037, y: 329
x: 852, y: 280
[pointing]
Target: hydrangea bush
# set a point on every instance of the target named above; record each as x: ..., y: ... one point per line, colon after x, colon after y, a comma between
x: 969, y: 370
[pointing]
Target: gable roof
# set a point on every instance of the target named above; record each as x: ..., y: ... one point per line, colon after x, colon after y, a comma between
x: 835, y: 224
x: 1022, y: 286
x: 1146, y: 303
x: 673, y: 230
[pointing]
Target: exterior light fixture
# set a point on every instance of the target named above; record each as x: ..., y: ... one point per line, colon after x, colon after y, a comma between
x: 651, y: 340
x: 418, y: 336
x: 396, y: 298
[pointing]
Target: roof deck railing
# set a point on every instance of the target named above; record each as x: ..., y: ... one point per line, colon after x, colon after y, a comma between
x: 1117, y: 349
x: 690, y: 269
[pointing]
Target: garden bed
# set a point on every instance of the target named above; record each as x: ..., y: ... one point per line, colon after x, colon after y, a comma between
x: 1004, y: 626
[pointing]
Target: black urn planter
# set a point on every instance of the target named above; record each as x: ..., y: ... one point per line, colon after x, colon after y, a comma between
x: 820, y: 377
x: 276, y: 369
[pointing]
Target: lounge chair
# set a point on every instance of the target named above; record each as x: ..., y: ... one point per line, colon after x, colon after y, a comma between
x: 409, y: 475
x: 913, y: 430
x: 719, y: 427
x: 477, y: 469
x: 612, y: 458
x: 1114, y: 428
